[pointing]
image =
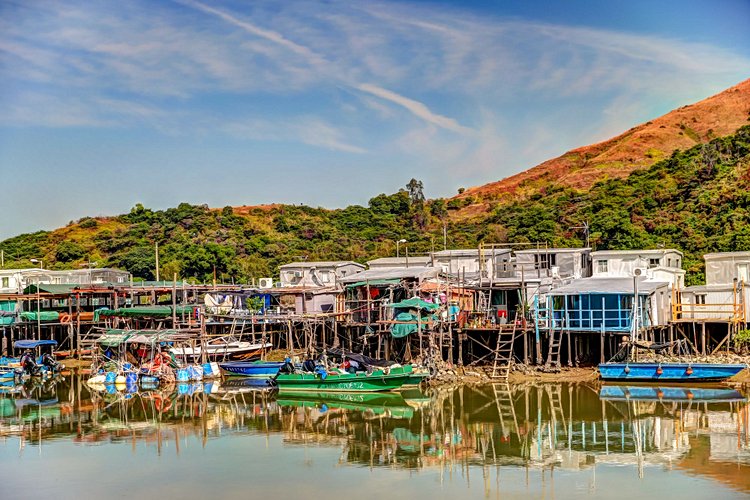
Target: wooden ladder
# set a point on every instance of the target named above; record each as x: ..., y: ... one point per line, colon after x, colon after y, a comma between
x: 555, y: 341
x: 504, y: 353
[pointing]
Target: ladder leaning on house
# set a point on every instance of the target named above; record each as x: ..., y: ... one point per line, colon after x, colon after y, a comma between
x: 504, y: 353
x: 555, y: 341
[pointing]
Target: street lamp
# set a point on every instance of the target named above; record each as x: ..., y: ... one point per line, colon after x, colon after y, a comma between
x: 37, y: 261
x: 397, y: 244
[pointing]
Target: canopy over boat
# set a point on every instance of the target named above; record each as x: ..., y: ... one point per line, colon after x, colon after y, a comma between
x: 114, y: 338
x: 32, y: 344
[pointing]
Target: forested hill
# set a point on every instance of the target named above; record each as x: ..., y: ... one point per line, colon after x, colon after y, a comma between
x: 696, y: 200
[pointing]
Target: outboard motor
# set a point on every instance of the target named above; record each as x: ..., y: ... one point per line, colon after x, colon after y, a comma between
x: 28, y: 365
x: 51, y: 363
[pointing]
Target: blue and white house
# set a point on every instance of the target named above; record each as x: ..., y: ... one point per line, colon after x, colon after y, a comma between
x: 603, y: 303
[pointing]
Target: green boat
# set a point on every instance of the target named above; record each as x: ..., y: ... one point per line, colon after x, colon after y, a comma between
x: 378, y: 380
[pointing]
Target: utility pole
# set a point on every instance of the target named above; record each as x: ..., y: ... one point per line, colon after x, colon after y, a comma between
x: 157, y: 261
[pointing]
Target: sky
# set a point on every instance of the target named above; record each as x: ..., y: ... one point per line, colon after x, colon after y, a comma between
x: 105, y: 104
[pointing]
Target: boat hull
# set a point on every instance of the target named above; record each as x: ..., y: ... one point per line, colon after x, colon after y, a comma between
x: 378, y: 380
x: 236, y: 351
x: 671, y: 372
x: 256, y: 369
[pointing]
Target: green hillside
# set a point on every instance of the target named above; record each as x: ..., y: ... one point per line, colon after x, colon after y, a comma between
x: 696, y: 200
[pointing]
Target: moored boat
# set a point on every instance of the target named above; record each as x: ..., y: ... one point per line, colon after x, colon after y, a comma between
x: 671, y: 372
x: 223, y: 349
x: 256, y: 369
x: 377, y: 380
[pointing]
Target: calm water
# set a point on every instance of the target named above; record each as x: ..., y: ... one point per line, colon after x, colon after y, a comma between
x: 545, y: 441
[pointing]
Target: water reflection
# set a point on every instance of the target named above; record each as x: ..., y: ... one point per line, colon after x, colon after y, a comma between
x: 701, y: 431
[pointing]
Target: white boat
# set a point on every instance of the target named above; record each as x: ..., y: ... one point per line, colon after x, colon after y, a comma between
x: 222, y: 349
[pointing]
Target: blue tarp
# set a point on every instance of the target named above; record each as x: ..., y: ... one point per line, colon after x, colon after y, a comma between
x: 31, y: 344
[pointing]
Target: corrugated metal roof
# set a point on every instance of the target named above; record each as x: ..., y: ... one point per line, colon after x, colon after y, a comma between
x: 608, y: 285
x: 726, y: 287
x: 653, y: 251
x: 552, y: 250
x: 469, y: 252
x: 336, y: 263
x: 398, y: 261
x: 391, y: 273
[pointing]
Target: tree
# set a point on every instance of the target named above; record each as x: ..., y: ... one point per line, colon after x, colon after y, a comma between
x: 415, y: 189
x: 67, y: 251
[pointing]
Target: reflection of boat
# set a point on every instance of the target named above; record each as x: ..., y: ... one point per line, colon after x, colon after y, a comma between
x: 378, y: 380
x: 377, y: 402
x: 223, y: 349
x: 236, y: 384
x: 262, y: 369
x: 670, y: 372
x: 658, y: 393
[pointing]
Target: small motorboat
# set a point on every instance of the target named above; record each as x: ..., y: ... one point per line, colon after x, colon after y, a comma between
x: 256, y: 369
x: 223, y: 349
x: 668, y: 372
x: 386, y: 379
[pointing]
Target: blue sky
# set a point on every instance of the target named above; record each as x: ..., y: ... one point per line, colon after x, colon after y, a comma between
x: 106, y: 104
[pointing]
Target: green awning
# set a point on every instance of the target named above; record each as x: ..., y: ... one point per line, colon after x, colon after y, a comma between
x: 113, y: 338
x: 415, y: 303
x: 391, y: 281
x: 7, y: 312
x: 42, y: 316
x: 146, y: 311
x: 55, y: 289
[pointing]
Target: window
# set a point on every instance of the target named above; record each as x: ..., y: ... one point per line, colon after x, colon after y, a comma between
x: 325, y: 277
x: 544, y: 260
x: 669, y: 262
x: 700, y: 298
x: 652, y: 263
x: 6, y: 282
x: 601, y: 266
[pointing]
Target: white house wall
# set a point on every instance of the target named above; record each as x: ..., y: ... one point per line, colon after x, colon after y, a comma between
x: 723, y: 270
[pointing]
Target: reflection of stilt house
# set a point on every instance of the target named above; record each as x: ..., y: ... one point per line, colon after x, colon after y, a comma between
x: 718, y: 308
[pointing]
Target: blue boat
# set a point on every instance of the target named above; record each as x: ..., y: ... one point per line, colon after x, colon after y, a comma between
x: 258, y: 369
x: 669, y: 372
x: 672, y: 394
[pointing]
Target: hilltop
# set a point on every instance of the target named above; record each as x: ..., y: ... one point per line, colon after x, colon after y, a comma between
x: 638, y: 148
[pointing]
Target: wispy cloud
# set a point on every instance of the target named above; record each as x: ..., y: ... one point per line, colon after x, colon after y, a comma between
x: 415, y: 107
x: 269, y: 35
x: 305, y: 129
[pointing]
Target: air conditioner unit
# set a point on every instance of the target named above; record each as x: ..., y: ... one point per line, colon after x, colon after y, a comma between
x: 555, y: 270
x: 640, y: 271
x: 265, y: 283
x: 297, y: 274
